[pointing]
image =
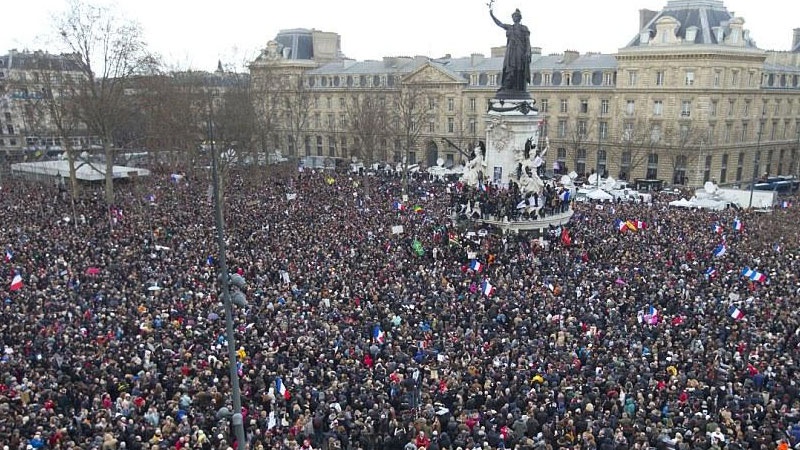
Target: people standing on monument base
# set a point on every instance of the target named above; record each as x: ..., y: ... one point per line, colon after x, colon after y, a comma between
x: 621, y: 339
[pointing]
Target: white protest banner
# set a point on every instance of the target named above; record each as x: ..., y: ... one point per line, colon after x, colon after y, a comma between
x: 397, y: 229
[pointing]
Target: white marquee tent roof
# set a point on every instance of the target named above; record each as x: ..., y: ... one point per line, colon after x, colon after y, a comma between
x: 85, y: 171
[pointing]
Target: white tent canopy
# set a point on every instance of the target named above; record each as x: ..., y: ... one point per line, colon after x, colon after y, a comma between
x: 600, y: 195
x: 84, y: 171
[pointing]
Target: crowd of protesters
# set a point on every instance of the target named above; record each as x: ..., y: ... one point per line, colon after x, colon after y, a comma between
x: 498, y: 203
x: 441, y: 335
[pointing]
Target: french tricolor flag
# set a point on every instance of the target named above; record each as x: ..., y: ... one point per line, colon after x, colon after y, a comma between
x: 736, y: 313
x: 9, y: 255
x: 487, y: 288
x: 720, y: 250
x: 16, y: 283
x: 717, y: 228
x: 475, y: 265
x: 737, y: 224
x: 398, y: 206
x: 378, y: 335
x: 711, y: 272
x: 280, y: 388
x: 620, y: 225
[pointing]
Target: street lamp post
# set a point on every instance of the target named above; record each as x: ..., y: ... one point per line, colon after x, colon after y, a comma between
x: 755, y: 163
x: 236, y: 419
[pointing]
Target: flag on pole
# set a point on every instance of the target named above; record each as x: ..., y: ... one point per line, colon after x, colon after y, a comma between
x: 475, y: 265
x: 711, y: 272
x: 737, y: 224
x: 398, y: 206
x: 9, y: 255
x: 281, y: 389
x: 16, y: 282
x: 378, y: 335
x: 151, y: 198
x: 735, y: 312
x: 717, y: 228
x: 720, y: 250
x: 640, y: 225
x: 418, y: 209
x: 620, y: 225
x: 631, y: 226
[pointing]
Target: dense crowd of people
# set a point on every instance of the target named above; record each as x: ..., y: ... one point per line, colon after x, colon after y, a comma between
x: 388, y: 325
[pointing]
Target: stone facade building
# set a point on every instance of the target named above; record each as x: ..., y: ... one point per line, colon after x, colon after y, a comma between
x: 28, y: 83
x: 691, y: 98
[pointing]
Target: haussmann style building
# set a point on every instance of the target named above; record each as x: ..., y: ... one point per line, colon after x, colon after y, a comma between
x: 691, y: 98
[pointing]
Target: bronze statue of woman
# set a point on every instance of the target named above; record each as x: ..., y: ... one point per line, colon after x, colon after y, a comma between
x: 517, y: 62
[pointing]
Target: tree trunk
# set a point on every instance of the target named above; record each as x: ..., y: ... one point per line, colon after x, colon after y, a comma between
x: 109, y: 153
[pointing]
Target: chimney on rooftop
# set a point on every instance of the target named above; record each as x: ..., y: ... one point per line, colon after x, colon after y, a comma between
x: 570, y: 56
x: 796, y: 39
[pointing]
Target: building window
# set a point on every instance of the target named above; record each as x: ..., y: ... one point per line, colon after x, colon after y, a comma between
x: 728, y: 130
x: 773, y: 129
x: 686, y: 108
x: 342, y: 103
x: 684, y: 132
x: 632, y: 75
x: 679, y: 174
x: 564, y: 106
x: 717, y: 78
x: 602, y: 128
x: 562, y: 128
x: 711, y: 136
x: 744, y: 132
x: 561, y: 159
x: 451, y: 125
x: 751, y: 79
x: 567, y: 79
x: 707, y: 169
x: 604, y: 107
x: 746, y: 111
x: 580, y: 162
x: 544, y: 105
x: 473, y: 126
x: 655, y: 133
x: 546, y: 79
x: 10, y: 129
x: 343, y: 121
x: 768, y: 169
x: 602, y: 162
x: 658, y: 107
x: 319, y: 145
x: 451, y: 104
x: 472, y: 104
x: 630, y: 107
x: 689, y: 78
x: 731, y: 107
x: 331, y: 146
x: 625, y: 165
x: 307, y: 145
x: 740, y: 167
x: 713, y: 110
x: 735, y: 78
x: 587, y: 79
x: 627, y: 132
x: 660, y: 78
x: 608, y: 79
x: 432, y: 103
x: 723, y: 171
x: 652, y: 166
x: 582, y: 128
x: 584, y: 106
x: 431, y: 126
x: 777, y: 107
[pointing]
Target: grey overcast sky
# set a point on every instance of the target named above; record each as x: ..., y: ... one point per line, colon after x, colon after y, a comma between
x: 195, y: 34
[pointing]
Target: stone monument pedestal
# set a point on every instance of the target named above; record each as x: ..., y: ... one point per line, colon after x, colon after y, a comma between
x: 510, y: 123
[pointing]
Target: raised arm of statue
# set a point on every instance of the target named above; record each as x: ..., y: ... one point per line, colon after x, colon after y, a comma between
x: 499, y: 24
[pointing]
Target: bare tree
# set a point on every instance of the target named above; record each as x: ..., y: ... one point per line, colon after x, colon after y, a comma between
x: 109, y: 51
x: 411, y: 110
x: 265, y: 88
x: 296, y: 101
x: 682, y: 148
x: 578, y: 139
x: 50, y: 110
x: 635, y: 145
x: 368, y: 120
